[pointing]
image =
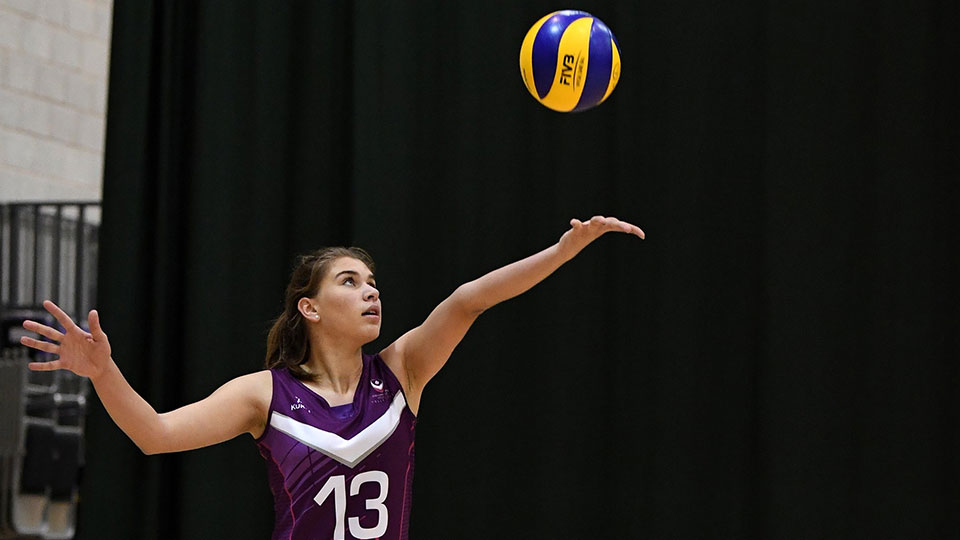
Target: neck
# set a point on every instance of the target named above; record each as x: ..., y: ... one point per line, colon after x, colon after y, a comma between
x: 337, y: 368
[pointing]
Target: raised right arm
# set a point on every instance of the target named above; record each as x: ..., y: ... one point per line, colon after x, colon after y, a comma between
x: 239, y: 406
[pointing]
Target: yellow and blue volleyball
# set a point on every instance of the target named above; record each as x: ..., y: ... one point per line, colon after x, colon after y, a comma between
x: 570, y: 61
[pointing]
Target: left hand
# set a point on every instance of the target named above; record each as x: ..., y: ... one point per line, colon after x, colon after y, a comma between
x: 85, y: 353
x: 584, y: 232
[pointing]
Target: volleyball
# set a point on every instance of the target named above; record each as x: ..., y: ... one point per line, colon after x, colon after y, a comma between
x: 570, y: 61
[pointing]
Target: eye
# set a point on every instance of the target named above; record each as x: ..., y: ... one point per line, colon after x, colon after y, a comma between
x: 349, y: 280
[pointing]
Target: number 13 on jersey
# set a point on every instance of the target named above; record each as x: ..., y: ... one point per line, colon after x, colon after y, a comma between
x: 338, y: 486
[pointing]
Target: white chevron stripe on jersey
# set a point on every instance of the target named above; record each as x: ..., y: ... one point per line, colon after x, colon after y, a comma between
x: 347, y: 451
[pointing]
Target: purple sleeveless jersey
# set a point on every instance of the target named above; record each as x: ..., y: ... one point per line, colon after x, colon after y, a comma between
x: 340, y: 472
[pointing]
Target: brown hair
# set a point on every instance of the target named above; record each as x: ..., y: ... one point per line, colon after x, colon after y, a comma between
x: 287, y: 343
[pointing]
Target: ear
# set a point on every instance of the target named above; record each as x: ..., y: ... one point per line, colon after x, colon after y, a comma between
x: 308, y: 309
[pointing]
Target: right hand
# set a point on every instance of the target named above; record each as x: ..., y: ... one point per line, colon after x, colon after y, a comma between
x: 581, y: 233
x: 85, y: 353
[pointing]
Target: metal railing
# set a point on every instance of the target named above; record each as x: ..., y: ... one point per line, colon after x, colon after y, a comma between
x: 48, y: 250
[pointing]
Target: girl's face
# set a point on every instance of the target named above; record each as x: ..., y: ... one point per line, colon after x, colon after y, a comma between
x: 348, y: 304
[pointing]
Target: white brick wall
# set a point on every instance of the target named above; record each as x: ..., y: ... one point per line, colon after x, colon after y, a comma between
x: 54, y: 57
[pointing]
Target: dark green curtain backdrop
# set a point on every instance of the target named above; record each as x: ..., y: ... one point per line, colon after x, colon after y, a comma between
x: 779, y: 359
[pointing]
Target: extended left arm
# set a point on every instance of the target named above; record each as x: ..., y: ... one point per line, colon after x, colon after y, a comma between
x: 420, y: 353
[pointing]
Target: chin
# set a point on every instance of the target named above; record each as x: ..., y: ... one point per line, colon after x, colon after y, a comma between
x: 371, y: 335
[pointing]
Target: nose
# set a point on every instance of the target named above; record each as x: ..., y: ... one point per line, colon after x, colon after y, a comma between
x: 371, y: 293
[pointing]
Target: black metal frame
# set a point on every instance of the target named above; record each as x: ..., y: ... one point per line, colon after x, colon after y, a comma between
x: 10, y: 223
x: 63, y: 388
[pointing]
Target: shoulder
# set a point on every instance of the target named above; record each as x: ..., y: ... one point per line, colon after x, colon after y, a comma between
x: 392, y: 357
x: 262, y: 378
x: 257, y: 387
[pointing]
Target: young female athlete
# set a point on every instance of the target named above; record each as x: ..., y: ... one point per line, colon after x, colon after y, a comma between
x: 335, y: 425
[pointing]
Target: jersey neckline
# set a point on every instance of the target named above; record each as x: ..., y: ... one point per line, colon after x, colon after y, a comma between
x: 338, y: 410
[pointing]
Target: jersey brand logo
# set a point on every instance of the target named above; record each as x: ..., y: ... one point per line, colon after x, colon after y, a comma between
x: 377, y: 384
x: 298, y: 405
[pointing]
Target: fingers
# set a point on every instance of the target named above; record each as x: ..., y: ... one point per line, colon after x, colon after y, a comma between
x: 630, y: 228
x: 603, y: 224
x: 595, y: 221
x: 43, y: 330
x: 45, y: 366
x: 601, y: 221
x: 44, y: 346
x: 58, y: 313
x: 95, y: 330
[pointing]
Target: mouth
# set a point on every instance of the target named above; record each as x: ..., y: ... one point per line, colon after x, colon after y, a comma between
x: 372, y: 313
